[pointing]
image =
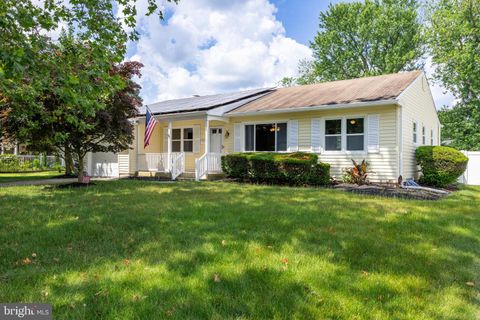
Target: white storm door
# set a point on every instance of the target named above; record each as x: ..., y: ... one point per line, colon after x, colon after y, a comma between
x: 216, y: 140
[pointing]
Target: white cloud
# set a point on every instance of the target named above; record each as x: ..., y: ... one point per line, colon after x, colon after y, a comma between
x: 213, y: 46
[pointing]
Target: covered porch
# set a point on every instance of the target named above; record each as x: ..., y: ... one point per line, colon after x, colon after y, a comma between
x: 182, y: 145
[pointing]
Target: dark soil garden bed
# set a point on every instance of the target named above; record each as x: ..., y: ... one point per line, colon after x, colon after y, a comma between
x: 74, y: 185
x: 391, y: 191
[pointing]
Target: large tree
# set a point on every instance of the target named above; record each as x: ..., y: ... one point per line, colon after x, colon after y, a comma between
x: 33, y: 66
x: 454, y: 44
x: 363, y: 39
x: 80, y: 109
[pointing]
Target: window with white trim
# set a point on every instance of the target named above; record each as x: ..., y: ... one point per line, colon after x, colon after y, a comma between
x: 431, y: 137
x: 266, y: 137
x: 351, y: 130
x: 415, y: 129
x: 182, y: 140
x: 423, y: 135
x: 333, y: 135
x: 355, y: 134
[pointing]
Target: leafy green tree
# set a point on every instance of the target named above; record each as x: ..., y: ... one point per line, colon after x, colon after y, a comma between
x: 82, y: 109
x: 63, y: 86
x: 460, y: 129
x: 454, y: 44
x: 363, y: 39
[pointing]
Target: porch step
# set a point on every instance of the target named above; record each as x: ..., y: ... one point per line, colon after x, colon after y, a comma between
x: 154, y: 175
x: 186, y: 176
x: 215, y: 176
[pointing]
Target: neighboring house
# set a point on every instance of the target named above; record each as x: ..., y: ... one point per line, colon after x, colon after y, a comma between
x: 381, y: 119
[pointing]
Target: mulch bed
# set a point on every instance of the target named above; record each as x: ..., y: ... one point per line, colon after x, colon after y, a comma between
x: 73, y: 185
x: 391, y: 191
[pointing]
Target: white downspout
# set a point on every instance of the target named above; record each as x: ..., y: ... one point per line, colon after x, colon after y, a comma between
x: 400, y: 147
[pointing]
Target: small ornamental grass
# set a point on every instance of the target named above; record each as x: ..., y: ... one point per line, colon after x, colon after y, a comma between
x: 297, y: 168
x: 440, y: 165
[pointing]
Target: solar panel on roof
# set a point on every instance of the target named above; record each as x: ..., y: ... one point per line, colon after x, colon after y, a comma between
x: 201, y: 102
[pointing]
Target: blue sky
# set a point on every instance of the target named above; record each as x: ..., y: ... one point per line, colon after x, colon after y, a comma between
x: 300, y: 18
x: 214, y: 46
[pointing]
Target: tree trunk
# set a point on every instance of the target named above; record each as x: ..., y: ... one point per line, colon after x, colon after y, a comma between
x: 68, y: 162
x: 80, y: 168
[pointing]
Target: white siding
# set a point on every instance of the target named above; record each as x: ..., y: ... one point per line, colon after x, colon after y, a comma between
x: 417, y: 106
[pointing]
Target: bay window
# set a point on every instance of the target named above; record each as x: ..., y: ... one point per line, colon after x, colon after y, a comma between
x: 348, y: 130
x: 266, y: 137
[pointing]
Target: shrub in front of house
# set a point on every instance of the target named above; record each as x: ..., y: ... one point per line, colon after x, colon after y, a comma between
x: 235, y: 166
x: 9, y: 163
x: 440, y: 165
x: 277, y: 168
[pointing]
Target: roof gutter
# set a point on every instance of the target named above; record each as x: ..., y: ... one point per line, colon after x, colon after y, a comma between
x: 377, y: 103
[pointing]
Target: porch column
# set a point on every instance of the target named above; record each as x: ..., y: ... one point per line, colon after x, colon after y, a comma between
x: 207, y: 136
x: 15, y: 149
x: 169, y: 146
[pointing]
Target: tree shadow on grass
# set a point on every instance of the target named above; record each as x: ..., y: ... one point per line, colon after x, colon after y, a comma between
x: 182, y: 227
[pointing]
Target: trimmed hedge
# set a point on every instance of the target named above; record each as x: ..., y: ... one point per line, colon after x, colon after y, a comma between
x: 440, y: 165
x: 297, y: 168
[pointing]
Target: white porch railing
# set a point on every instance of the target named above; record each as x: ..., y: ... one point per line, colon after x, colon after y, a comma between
x: 157, y: 162
x: 161, y: 162
x: 208, y: 163
x: 178, y: 164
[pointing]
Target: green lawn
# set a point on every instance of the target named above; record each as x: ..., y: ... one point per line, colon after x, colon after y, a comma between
x: 145, y: 250
x: 23, y: 176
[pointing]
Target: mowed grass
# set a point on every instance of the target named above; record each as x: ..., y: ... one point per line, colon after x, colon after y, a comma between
x: 146, y: 250
x: 24, y: 176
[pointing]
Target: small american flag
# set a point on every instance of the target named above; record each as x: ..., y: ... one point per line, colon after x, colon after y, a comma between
x: 149, y: 126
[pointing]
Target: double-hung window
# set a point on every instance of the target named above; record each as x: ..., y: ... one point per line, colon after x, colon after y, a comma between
x: 355, y: 134
x: 423, y: 135
x: 182, y: 140
x: 333, y: 135
x: 431, y: 137
x: 350, y: 130
x: 266, y: 137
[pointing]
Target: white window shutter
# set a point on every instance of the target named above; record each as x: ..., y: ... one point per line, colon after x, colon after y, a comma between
x: 165, y: 139
x: 373, y: 133
x: 316, y: 135
x: 238, y: 137
x: 292, y: 135
x: 196, y: 139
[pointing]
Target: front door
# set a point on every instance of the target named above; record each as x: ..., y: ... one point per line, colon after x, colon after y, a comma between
x: 216, y: 140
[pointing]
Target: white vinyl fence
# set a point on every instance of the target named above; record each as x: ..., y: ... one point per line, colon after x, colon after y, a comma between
x: 471, y: 176
x: 29, y: 159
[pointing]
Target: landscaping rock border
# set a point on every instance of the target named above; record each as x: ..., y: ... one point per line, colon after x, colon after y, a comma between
x: 391, y: 191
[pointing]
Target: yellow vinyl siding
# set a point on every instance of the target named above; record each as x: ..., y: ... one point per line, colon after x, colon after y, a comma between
x: 417, y: 106
x: 384, y: 164
x: 157, y: 140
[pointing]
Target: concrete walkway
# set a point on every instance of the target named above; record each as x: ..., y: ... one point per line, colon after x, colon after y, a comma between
x: 47, y: 182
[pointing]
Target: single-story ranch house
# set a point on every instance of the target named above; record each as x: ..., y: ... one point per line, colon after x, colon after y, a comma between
x: 381, y: 119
